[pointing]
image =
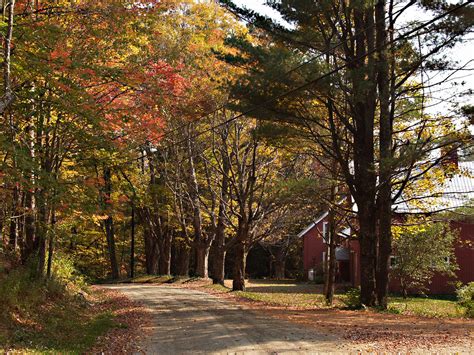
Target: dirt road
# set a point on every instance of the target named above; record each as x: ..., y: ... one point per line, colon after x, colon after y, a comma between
x: 188, y: 321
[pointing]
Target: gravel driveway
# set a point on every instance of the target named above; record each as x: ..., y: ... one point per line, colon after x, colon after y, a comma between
x: 188, y: 322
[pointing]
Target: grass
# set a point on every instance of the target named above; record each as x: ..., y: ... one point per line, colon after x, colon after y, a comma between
x: 40, y: 316
x: 427, y: 307
x: 309, y: 296
x: 153, y: 279
x: 301, y: 300
x: 62, y: 331
x: 288, y: 293
x: 59, y: 327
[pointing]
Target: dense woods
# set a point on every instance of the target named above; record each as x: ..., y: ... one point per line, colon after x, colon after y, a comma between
x: 165, y: 137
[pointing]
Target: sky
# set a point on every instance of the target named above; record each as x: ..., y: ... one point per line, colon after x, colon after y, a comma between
x: 464, y: 53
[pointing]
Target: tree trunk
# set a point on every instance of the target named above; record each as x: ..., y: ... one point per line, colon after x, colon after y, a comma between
x: 330, y: 279
x: 201, y: 241
x: 403, y: 286
x: 13, y: 233
x: 51, y: 245
x: 367, y: 239
x: 280, y: 269
x: 110, y: 235
x: 151, y: 252
x: 109, y: 225
x: 238, y: 283
x: 132, y: 243
x: 385, y: 135
x: 218, y: 273
x: 165, y: 254
x: 202, y: 260
x: 280, y: 263
x: 27, y: 248
x: 41, y: 228
x: 182, y: 257
x: 8, y: 96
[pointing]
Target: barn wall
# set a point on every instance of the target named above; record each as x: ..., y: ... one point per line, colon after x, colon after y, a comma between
x: 313, y: 247
x: 464, y: 252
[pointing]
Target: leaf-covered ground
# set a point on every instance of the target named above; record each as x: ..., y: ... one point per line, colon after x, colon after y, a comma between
x: 130, y: 319
x: 368, y: 330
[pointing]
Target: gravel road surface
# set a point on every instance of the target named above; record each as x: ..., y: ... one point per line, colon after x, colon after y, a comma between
x: 191, y: 322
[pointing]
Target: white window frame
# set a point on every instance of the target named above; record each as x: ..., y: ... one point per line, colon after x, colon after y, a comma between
x: 393, y: 260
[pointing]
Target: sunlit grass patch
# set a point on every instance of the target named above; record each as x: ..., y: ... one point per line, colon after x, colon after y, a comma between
x: 151, y: 279
x: 428, y: 307
x: 217, y: 287
x: 301, y: 300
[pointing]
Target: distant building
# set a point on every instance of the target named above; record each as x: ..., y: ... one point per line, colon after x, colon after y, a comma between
x: 456, y: 192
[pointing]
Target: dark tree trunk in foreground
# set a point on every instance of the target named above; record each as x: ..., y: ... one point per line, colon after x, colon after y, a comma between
x: 367, y: 240
x: 385, y: 135
x: 330, y: 277
x: 331, y: 261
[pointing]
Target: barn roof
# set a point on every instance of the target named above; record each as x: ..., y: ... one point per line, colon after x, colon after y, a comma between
x: 456, y: 191
x: 316, y: 221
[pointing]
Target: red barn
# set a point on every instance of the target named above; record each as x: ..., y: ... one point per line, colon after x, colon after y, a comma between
x: 457, y: 191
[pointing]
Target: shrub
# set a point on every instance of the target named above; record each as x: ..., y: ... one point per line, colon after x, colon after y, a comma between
x: 16, y: 289
x: 65, y: 273
x: 466, y: 298
x: 352, y: 298
x: 23, y: 290
x: 422, y: 249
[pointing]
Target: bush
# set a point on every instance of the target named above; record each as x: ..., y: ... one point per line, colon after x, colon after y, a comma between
x: 352, y: 298
x: 23, y: 290
x: 65, y: 273
x: 466, y: 298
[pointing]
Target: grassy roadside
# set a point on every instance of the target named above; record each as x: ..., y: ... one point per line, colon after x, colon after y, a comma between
x: 309, y: 296
x: 54, y: 322
x: 57, y: 315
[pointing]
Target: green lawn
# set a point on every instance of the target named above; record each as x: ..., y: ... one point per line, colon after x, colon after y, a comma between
x: 304, y: 295
x: 429, y: 306
x: 289, y: 293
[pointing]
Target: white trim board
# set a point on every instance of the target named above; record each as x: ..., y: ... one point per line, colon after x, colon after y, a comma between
x: 311, y: 226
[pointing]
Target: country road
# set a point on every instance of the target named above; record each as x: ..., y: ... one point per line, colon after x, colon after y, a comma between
x: 188, y: 322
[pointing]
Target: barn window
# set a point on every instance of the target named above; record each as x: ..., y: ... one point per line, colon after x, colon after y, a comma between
x: 393, y: 261
x: 325, y: 230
